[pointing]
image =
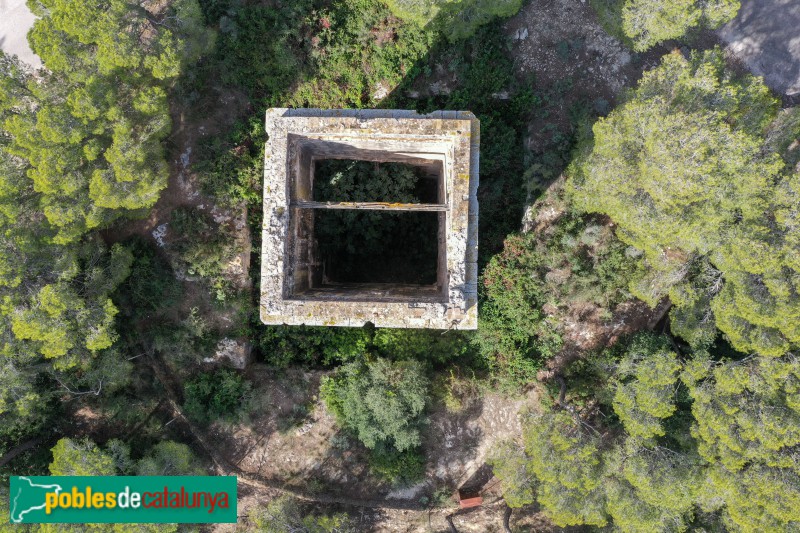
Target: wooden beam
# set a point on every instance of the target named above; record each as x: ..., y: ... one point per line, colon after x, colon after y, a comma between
x: 374, y: 206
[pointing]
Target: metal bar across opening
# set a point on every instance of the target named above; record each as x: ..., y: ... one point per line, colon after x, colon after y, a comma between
x: 373, y: 206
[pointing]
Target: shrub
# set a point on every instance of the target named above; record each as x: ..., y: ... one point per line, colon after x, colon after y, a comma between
x: 206, y: 248
x: 215, y: 395
x: 380, y: 401
x: 423, y: 344
x: 230, y: 168
x: 575, y: 260
x: 398, y: 468
x: 151, y: 288
x: 283, y: 346
x: 344, y: 180
x: 457, y: 392
x: 288, y: 515
x: 455, y: 19
x: 187, y: 341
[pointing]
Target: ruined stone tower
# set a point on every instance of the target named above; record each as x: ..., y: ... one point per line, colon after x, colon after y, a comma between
x: 298, y: 287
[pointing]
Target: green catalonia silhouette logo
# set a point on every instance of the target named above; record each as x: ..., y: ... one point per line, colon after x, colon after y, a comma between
x: 122, y: 499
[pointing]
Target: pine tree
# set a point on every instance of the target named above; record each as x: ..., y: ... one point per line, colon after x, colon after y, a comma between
x: 650, y: 22
x: 682, y: 169
x: 566, y: 460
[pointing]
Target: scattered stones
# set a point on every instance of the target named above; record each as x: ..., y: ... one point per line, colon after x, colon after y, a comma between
x: 439, y: 88
x: 305, y: 428
x: 221, y: 215
x: 567, y: 41
x: 159, y: 233
x: 408, y: 493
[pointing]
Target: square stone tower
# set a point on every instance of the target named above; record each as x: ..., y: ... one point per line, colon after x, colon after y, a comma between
x: 299, y: 286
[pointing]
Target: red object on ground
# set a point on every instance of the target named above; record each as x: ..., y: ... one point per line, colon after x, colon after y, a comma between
x: 467, y: 500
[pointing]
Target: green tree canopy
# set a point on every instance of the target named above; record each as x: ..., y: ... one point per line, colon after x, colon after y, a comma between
x: 90, y: 128
x: 80, y: 458
x: 719, y: 452
x: 681, y: 167
x: 747, y: 426
x: 645, y: 386
x: 650, y: 488
x: 170, y: 458
x: 650, y: 22
x: 81, y: 144
x: 510, y: 465
x: 83, y: 457
x: 566, y: 461
x: 381, y: 401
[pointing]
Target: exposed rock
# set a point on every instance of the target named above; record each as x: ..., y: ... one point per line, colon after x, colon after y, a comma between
x: 235, y: 267
x: 558, y: 276
x: 408, y: 493
x: 764, y: 36
x: 439, y: 88
x: 566, y: 41
x: 236, y: 352
x: 382, y: 90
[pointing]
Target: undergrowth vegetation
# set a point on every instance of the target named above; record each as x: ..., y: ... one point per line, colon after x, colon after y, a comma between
x: 575, y: 260
x: 383, y: 404
x: 217, y: 395
x: 395, y: 57
x: 205, y: 249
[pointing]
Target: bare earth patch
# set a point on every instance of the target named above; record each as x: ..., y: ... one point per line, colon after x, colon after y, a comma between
x: 766, y: 36
x: 557, y: 39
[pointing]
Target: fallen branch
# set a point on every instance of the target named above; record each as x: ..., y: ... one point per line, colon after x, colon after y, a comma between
x: 24, y: 447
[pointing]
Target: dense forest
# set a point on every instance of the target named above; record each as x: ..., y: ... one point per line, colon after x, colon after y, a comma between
x: 661, y: 223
